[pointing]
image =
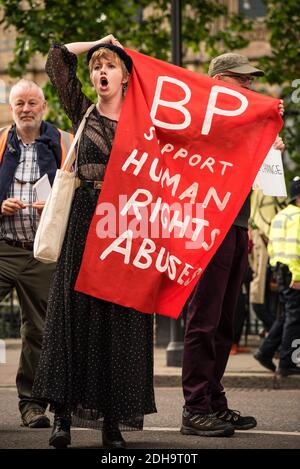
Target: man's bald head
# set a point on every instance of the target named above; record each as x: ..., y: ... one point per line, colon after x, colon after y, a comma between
x: 23, y: 85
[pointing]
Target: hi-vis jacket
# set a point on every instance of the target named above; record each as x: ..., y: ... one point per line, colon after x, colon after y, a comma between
x: 52, y: 147
x: 284, y: 240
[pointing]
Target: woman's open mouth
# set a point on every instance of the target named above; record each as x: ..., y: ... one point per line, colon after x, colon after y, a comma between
x: 103, y: 82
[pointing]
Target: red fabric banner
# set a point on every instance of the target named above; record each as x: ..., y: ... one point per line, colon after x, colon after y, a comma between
x: 186, y: 152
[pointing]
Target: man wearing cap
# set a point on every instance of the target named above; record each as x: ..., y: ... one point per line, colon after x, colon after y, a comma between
x: 209, y: 323
x: 284, y: 252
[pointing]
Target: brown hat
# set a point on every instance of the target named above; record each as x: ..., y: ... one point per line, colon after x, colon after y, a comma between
x: 235, y: 63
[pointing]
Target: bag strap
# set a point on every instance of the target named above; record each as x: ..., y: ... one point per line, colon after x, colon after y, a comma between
x: 71, y: 156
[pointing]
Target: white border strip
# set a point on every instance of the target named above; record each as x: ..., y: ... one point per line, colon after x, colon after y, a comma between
x: 266, y: 432
x: 172, y: 429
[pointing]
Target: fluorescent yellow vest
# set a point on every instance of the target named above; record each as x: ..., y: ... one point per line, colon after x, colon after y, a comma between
x: 284, y: 240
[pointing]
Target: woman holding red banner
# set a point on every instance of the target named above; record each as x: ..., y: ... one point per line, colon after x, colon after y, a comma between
x: 96, y: 365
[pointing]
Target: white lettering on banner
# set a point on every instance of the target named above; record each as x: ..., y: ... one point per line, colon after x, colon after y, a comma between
x: 212, y: 110
x: 195, y: 274
x: 170, y: 220
x: 213, y: 236
x: 156, y: 210
x: 135, y: 204
x: 152, y: 174
x: 196, y: 159
x: 182, y: 152
x: 209, y: 163
x: 225, y: 164
x: 132, y: 160
x: 169, y: 217
x: 173, y: 260
x: 212, y: 193
x: 182, y: 225
x: 144, y: 260
x: 165, y: 215
x: 200, y: 224
x: 164, y: 177
x: 144, y: 252
x: 167, y: 148
x: 162, y: 268
x: 151, y: 133
x: 184, y: 273
x: 193, y: 160
x: 155, y: 220
x: 191, y: 192
x: 178, y: 105
x: 115, y: 246
x: 170, y: 181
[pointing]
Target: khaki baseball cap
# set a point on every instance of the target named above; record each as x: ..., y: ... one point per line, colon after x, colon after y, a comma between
x: 235, y: 63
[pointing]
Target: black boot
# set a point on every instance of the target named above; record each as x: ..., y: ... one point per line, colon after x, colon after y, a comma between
x: 61, y: 436
x: 111, y: 436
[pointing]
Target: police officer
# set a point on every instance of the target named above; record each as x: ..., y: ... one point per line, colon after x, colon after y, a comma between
x: 284, y: 252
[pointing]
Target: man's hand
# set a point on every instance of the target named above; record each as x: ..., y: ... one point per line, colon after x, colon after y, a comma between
x: 38, y: 205
x: 11, y: 206
x: 295, y: 285
x: 279, y: 145
x: 281, y: 108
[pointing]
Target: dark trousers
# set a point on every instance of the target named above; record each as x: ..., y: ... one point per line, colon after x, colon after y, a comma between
x: 267, y: 312
x: 265, y: 316
x: 31, y: 279
x: 285, y: 329
x: 241, y: 313
x: 209, y: 324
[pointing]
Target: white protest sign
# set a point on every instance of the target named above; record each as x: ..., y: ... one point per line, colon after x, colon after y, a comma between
x: 42, y: 188
x: 270, y: 177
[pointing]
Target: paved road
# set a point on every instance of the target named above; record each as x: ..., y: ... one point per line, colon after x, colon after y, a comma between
x: 277, y: 412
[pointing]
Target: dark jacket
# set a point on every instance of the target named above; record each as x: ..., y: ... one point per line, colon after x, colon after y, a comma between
x: 49, y: 156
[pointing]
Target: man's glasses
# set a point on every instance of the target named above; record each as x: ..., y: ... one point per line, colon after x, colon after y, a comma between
x: 26, y: 182
x: 240, y: 78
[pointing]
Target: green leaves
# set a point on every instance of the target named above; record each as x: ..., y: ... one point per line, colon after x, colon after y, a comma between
x: 141, y: 25
x: 283, y: 68
x: 145, y: 26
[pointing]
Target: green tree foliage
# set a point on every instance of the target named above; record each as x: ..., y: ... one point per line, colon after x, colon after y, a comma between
x: 41, y: 22
x: 283, y: 68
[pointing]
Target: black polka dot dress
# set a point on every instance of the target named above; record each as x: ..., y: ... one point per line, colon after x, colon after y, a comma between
x: 97, y: 357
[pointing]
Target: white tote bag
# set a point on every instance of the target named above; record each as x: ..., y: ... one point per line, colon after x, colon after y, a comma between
x: 55, y: 215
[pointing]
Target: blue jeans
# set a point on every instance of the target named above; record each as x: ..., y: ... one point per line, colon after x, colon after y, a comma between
x: 285, y: 329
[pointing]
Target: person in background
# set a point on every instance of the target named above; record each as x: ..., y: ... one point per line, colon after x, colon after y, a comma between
x: 29, y: 149
x: 263, y: 289
x: 284, y: 252
x: 209, y: 322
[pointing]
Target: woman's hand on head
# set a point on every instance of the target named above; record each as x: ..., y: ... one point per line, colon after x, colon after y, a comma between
x: 111, y: 40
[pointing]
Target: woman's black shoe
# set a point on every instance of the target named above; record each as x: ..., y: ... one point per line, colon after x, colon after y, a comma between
x: 61, y: 436
x: 113, y: 439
